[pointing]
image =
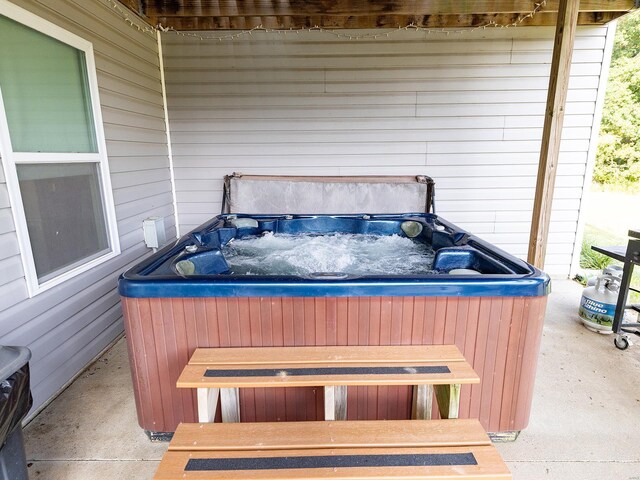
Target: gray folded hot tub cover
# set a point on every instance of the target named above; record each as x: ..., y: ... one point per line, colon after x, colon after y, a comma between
x: 266, y: 194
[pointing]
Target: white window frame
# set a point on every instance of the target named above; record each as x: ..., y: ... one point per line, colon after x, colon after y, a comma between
x: 10, y: 158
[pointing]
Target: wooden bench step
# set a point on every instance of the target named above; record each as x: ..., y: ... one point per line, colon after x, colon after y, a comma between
x: 222, y: 371
x: 469, y: 463
x: 386, y: 354
x: 327, y: 450
x: 329, y: 365
x: 279, y: 375
x: 302, y: 435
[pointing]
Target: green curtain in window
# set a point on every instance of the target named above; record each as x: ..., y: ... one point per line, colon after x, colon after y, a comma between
x: 43, y: 83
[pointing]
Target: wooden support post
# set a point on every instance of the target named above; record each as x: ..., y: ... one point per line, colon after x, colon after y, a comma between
x: 335, y: 402
x: 230, y: 404
x: 448, y: 398
x: 552, y: 130
x: 207, y: 404
x: 422, y: 399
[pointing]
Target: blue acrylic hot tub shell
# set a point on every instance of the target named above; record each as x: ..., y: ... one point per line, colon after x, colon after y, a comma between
x: 156, y: 276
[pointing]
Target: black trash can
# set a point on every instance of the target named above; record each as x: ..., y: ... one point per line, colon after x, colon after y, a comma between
x: 15, y: 402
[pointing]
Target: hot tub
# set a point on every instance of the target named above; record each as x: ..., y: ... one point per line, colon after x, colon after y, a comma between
x: 472, y: 294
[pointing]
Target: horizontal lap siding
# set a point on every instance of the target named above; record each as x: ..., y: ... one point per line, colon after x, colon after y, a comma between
x: 464, y: 109
x: 70, y: 324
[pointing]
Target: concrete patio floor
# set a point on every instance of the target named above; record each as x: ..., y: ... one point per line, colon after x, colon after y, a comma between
x: 585, y: 421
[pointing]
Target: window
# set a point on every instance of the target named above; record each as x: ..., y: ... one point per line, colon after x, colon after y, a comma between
x: 53, y: 149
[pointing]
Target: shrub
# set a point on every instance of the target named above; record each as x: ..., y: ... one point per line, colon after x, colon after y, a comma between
x: 592, y: 260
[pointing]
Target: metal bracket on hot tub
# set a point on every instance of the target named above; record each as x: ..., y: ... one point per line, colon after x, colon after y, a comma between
x: 504, y: 437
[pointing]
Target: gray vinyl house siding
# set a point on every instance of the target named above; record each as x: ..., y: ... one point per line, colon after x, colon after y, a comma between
x: 67, y: 326
x: 466, y: 109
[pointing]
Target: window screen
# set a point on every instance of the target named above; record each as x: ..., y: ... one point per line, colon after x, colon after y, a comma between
x: 65, y: 216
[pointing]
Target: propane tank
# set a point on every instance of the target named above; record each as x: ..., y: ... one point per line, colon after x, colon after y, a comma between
x: 598, y: 303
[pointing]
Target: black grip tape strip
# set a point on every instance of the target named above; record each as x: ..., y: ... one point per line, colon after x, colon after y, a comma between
x: 330, y: 461
x: 298, y: 372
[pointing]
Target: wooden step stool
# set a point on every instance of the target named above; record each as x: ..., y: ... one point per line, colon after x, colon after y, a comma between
x: 221, y: 371
x: 379, y: 449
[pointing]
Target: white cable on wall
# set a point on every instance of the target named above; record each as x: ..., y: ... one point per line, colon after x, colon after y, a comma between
x: 168, y: 132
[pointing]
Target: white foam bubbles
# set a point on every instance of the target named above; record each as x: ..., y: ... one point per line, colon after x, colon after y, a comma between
x: 353, y: 254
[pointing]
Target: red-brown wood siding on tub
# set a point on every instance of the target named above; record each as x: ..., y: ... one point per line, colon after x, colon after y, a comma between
x: 499, y: 336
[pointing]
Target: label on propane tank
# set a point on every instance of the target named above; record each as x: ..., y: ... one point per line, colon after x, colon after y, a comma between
x: 597, y: 312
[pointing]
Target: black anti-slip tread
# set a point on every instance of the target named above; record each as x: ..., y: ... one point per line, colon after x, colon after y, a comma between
x: 330, y: 461
x: 298, y: 372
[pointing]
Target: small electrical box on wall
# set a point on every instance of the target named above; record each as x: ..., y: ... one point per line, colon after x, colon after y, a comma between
x: 154, y: 234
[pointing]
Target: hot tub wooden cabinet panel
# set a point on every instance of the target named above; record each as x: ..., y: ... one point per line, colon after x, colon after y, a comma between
x: 499, y: 336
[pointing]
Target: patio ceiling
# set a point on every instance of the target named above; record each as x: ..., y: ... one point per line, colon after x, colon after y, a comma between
x: 243, y: 14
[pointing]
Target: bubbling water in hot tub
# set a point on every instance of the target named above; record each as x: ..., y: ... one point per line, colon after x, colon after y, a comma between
x: 346, y: 253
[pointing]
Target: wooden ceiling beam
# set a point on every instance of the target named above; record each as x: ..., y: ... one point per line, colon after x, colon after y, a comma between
x: 374, y: 21
x: 132, y: 4
x: 352, y: 8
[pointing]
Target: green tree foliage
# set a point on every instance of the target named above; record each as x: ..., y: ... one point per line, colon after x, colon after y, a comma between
x: 627, y: 41
x: 618, y: 157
